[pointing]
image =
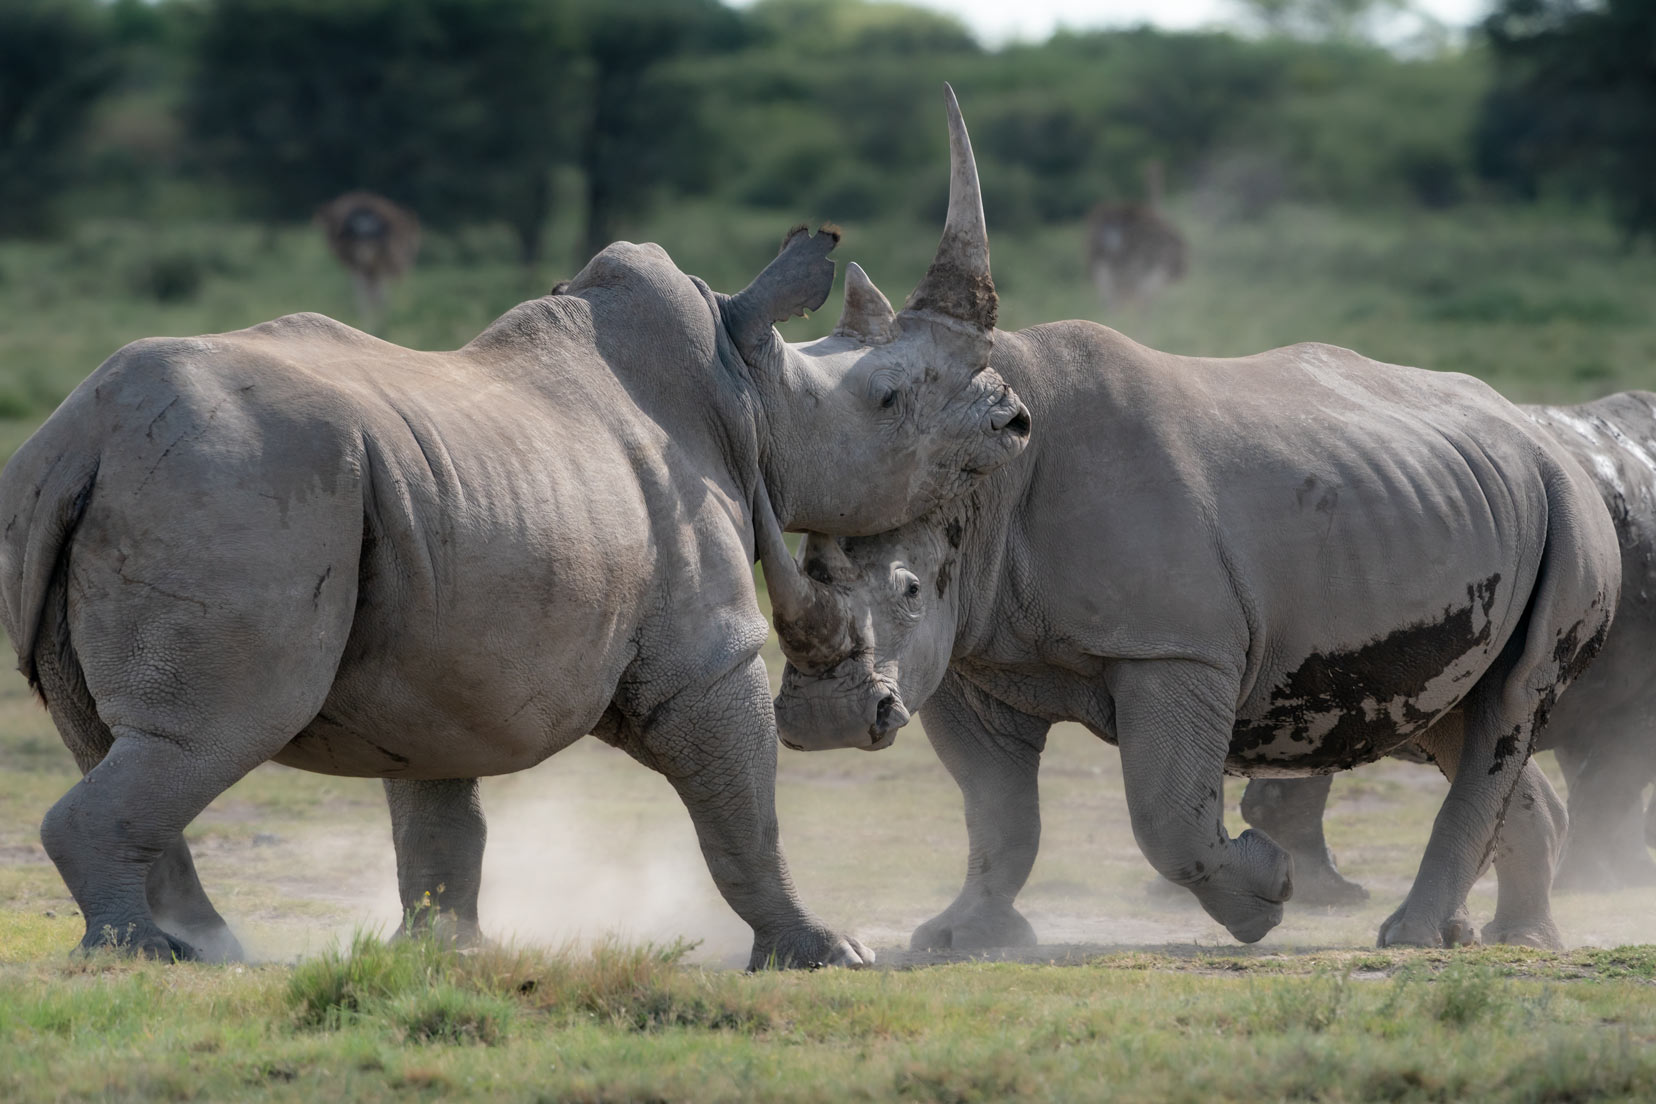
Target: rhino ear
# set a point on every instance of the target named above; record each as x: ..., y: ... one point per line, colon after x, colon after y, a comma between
x: 868, y: 316
x: 796, y: 282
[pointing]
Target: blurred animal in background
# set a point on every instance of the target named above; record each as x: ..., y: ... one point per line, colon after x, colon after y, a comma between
x: 1133, y: 251
x: 376, y: 240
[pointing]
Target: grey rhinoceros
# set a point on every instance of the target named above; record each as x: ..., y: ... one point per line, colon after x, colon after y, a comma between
x: 298, y: 543
x: 1287, y: 563
x: 1603, y: 731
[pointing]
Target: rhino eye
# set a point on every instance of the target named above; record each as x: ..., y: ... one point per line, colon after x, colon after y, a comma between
x: 913, y: 589
x: 889, y: 399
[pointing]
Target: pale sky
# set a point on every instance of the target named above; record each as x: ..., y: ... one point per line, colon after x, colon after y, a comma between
x: 998, y: 21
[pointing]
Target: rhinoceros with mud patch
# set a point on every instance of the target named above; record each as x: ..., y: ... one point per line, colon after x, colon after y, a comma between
x: 1603, y: 731
x: 1282, y: 564
x: 299, y: 543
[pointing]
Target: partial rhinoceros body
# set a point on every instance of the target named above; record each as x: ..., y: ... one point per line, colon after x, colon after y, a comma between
x: 1604, y: 730
x: 299, y: 543
x: 1282, y: 564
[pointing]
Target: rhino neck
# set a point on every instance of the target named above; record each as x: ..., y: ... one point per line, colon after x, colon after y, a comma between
x: 807, y: 490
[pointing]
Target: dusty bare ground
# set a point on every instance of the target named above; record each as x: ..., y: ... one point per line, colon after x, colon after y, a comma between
x: 589, y: 844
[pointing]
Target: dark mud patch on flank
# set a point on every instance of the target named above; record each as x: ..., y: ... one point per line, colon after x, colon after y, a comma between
x: 1396, y: 668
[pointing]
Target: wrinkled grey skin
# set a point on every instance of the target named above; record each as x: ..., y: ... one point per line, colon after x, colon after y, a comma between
x: 299, y: 543
x: 1282, y: 564
x: 1604, y: 730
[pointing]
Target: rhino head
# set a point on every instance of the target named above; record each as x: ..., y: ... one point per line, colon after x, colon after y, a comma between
x: 867, y: 631
x: 896, y: 412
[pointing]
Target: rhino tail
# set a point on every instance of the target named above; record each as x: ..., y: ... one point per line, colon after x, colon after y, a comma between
x: 41, y: 513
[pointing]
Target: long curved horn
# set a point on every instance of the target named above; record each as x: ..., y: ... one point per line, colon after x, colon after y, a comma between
x: 797, y: 281
x: 958, y: 283
x: 810, y: 621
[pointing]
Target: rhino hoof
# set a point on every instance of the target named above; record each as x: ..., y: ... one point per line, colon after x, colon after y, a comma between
x: 133, y: 942
x: 1257, y: 926
x: 813, y: 952
x: 1402, y: 931
x: 852, y: 954
x: 1544, y: 936
x: 1328, y: 888
x: 979, y: 930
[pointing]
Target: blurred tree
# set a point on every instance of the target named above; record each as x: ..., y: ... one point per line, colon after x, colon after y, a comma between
x: 1324, y: 20
x: 56, y: 58
x: 456, y: 108
x: 1575, y: 100
x: 645, y: 129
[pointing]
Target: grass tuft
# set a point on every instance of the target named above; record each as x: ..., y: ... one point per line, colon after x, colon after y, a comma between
x: 421, y: 989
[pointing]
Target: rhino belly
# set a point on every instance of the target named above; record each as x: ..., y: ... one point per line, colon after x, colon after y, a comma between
x: 425, y: 708
x: 1338, y: 709
x: 1321, y: 743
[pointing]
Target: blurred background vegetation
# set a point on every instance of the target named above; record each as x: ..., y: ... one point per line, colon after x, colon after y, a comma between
x: 1481, y: 199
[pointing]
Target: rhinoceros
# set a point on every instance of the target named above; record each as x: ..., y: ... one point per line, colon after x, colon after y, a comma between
x: 299, y: 543
x: 1281, y: 564
x: 1603, y: 731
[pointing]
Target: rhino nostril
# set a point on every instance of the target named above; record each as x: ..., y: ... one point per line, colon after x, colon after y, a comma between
x: 889, y: 716
x: 1020, y: 421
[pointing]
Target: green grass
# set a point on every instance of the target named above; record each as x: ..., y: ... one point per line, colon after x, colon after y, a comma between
x: 1129, y: 997
x: 627, y: 1023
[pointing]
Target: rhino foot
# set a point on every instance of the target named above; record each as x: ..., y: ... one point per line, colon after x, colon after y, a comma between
x: 446, y: 928
x: 1400, y: 930
x: 216, y: 946
x: 977, y: 928
x: 809, y: 950
x: 1247, y: 894
x: 138, y: 941
x: 1543, y: 935
x: 1323, y: 884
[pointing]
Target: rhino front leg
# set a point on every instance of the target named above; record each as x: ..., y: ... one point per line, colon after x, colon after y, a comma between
x: 717, y: 745
x: 1290, y: 811
x: 438, y: 831
x: 1173, y: 723
x: 994, y: 754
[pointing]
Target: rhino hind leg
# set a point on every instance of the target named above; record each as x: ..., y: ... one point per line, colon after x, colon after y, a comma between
x: 993, y: 754
x: 182, y: 909
x: 1650, y: 822
x: 1606, y: 847
x: 1499, y: 809
x: 1173, y: 722
x: 172, y: 887
x: 1529, y: 844
x: 438, y: 831
x: 1290, y: 811
x: 107, y: 834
